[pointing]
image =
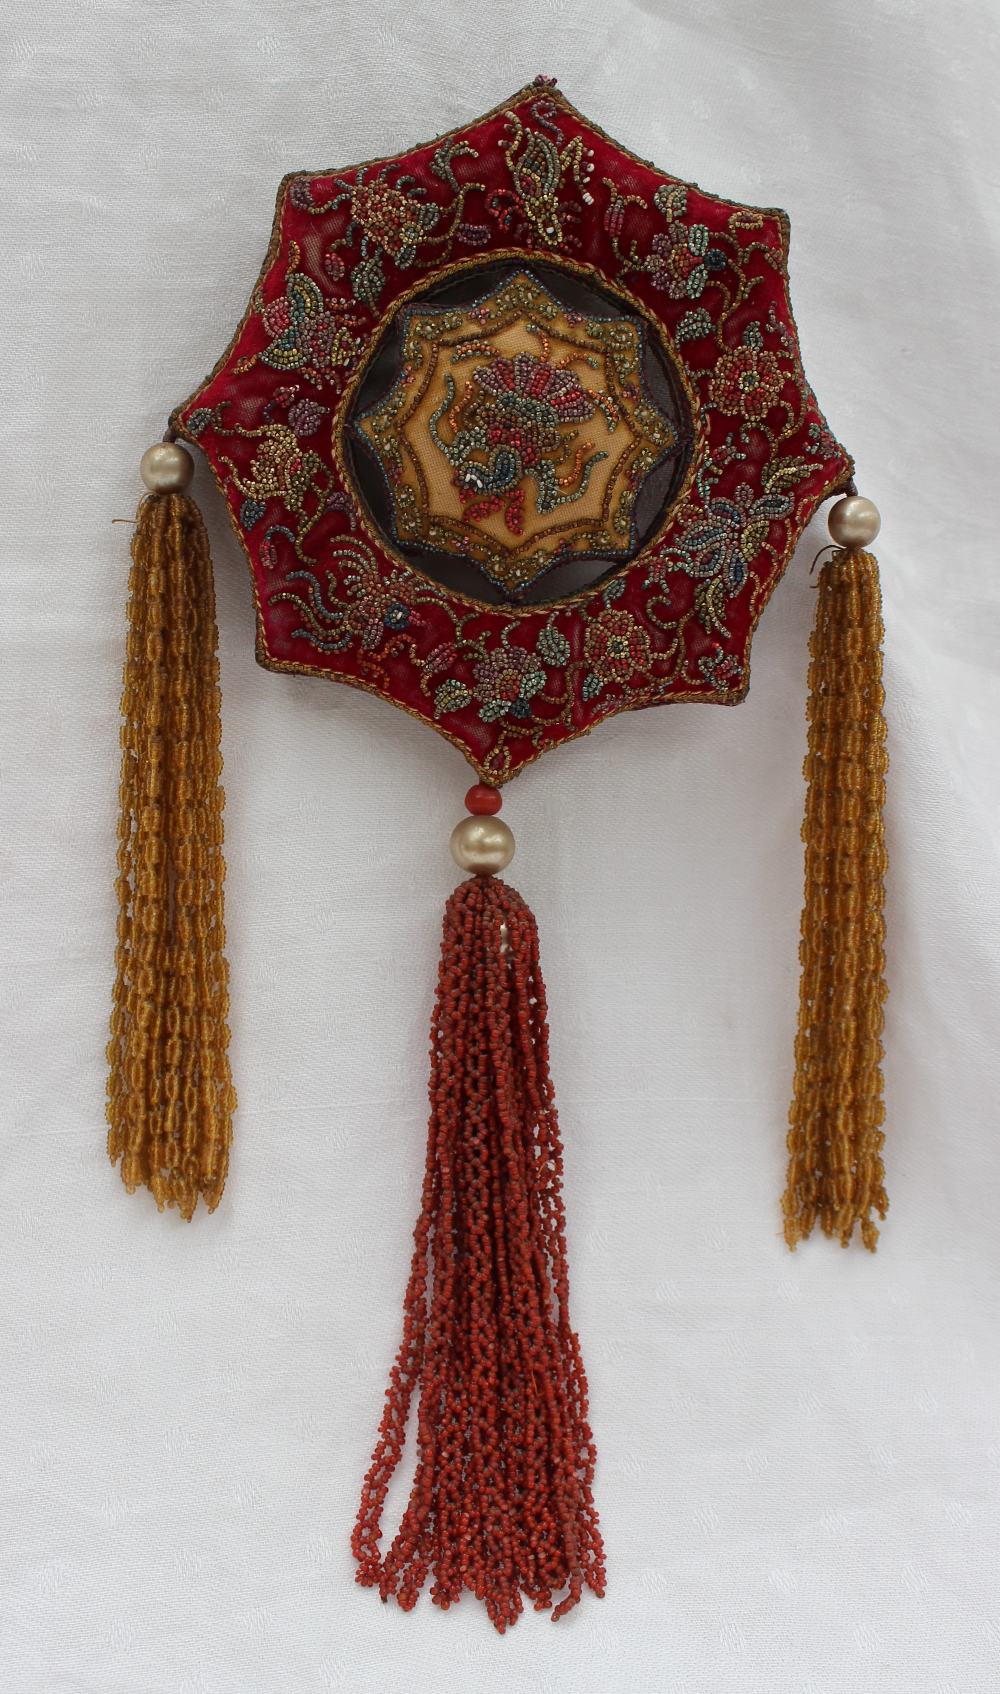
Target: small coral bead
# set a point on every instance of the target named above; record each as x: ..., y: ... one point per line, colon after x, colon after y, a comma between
x: 482, y: 800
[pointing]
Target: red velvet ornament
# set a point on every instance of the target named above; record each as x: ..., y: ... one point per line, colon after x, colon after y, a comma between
x: 653, y: 337
x: 532, y: 181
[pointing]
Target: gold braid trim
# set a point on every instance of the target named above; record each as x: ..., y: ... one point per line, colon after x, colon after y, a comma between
x: 170, y: 1095
x: 835, y: 1170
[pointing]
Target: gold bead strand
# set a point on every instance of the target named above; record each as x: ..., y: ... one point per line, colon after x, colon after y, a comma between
x: 835, y: 1170
x: 170, y: 1097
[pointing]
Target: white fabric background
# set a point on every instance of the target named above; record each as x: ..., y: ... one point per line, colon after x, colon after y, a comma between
x: 800, y: 1455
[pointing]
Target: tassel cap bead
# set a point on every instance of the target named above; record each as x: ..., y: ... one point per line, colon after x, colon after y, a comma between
x: 483, y: 799
x: 166, y: 467
x: 482, y: 845
x: 854, y: 522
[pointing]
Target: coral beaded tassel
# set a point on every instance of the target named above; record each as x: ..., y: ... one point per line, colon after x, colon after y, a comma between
x: 501, y: 1502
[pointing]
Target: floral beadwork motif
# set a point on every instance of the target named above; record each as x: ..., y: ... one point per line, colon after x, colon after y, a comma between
x: 357, y: 603
x: 390, y: 217
x: 505, y: 436
x: 748, y: 379
x: 542, y: 163
x: 681, y: 258
x: 307, y: 334
x: 517, y: 432
x: 617, y: 649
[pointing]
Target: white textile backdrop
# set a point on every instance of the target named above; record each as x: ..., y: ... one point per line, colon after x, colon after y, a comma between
x: 799, y: 1454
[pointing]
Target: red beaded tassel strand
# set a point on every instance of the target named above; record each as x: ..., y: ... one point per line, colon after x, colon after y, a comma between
x: 501, y: 1501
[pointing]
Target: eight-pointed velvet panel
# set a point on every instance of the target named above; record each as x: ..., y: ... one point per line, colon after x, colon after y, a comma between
x: 523, y: 444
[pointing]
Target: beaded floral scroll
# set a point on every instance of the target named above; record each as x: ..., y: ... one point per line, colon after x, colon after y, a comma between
x: 534, y: 445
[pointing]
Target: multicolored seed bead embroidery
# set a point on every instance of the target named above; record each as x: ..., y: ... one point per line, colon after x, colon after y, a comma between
x: 517, y: 431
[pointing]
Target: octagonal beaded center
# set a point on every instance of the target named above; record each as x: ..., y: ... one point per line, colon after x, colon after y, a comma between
x: 516, y: 431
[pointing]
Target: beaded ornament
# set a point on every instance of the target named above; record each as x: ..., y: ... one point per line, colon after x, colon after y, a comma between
x: 515, y: 434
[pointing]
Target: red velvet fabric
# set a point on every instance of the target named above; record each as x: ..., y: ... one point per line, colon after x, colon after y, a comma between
x: 333, y: 597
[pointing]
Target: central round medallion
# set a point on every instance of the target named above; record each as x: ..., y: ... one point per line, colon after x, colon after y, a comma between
x: 516, y: 430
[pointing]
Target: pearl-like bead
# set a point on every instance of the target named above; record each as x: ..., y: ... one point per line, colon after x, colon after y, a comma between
x: 482, y: 845
x: 166, y: 467
x: 854, y: 521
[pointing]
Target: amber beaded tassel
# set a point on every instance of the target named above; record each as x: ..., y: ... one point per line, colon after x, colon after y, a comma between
x: 835, y: 1171
x: 170, y: 1095
x: 501, y: 1502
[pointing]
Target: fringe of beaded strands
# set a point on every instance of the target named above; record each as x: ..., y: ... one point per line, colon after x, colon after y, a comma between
x: 835, y: 1170
x: 170, y: 1098
x: 501, y: 1502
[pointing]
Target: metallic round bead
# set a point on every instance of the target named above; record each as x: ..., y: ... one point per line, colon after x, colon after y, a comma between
x: 482, y: 845
x: 166, y: 467
x: 854, y: 521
